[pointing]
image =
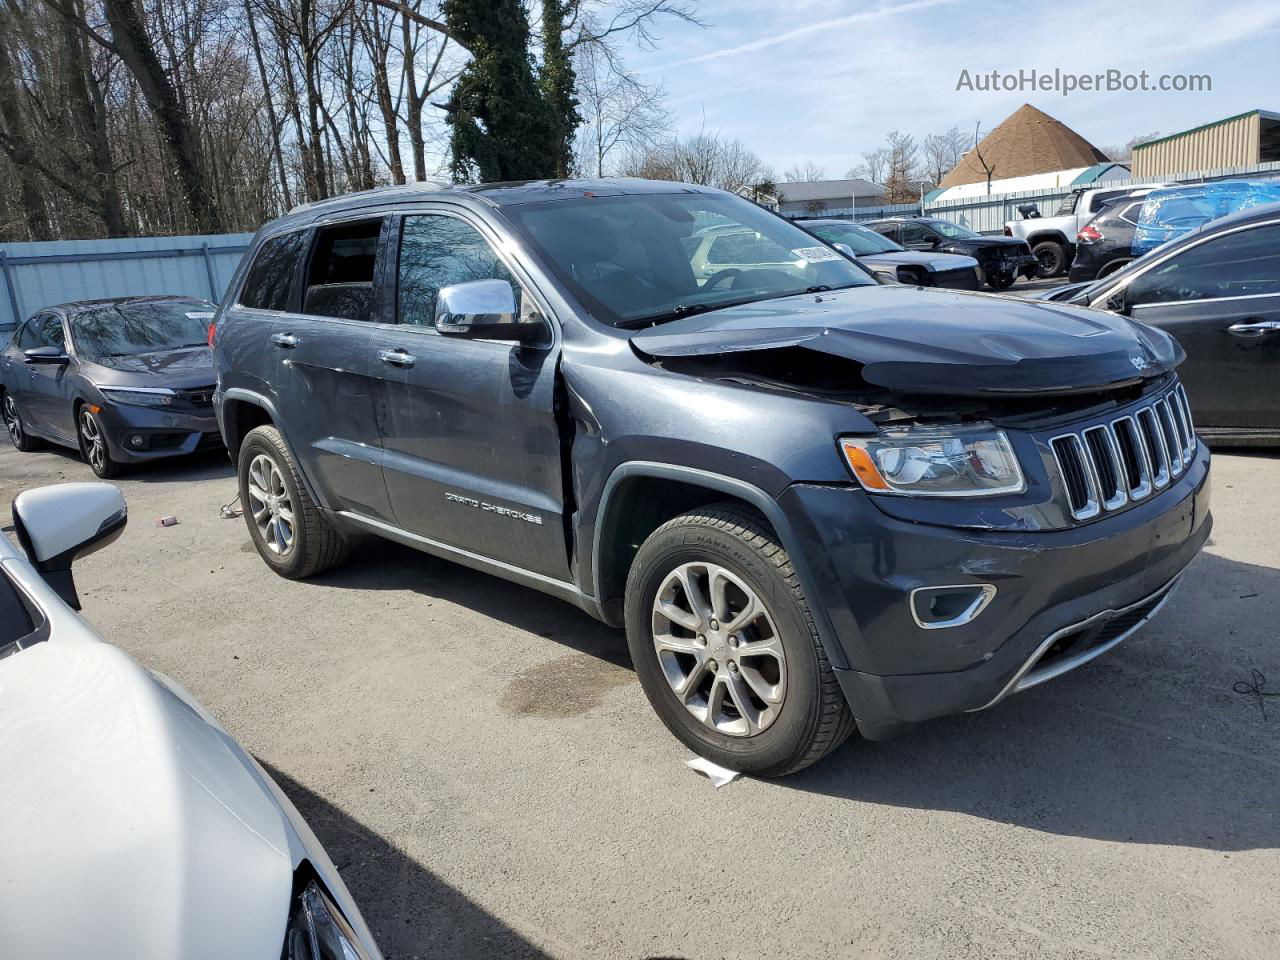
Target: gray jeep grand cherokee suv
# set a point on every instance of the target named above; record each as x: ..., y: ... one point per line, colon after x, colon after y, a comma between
x: 813, y: 501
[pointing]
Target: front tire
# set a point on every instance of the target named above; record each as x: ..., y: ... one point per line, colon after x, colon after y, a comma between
x: 18, y: 436
x: 1001, y: 281
x: 725, y: 646
x: 93, y: 444
x: 288, y: 530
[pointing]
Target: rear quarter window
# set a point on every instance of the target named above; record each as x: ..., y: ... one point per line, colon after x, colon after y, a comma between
x: 271, y: 276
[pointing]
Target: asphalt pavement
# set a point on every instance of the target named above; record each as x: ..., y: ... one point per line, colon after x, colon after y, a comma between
x: 480, y: 762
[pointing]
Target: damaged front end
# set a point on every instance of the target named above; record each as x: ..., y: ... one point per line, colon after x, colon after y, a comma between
x: 967, y: 394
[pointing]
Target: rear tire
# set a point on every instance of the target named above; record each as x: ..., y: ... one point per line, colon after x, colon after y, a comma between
x: 288, y: 530
x: 711, y: 569
x: 1051, y: 258
x: 16, y: 429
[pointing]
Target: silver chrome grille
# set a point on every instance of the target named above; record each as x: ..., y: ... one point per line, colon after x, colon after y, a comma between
x: 1106, y: 466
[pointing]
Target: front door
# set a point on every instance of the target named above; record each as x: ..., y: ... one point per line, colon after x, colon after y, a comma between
x: 1221, y: 301
x: 471, y: 446
x: 47, y: 405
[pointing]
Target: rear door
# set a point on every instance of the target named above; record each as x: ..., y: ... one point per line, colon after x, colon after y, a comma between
x: 1221, y: 300
x: 472, y: 448
x: 323, y: 366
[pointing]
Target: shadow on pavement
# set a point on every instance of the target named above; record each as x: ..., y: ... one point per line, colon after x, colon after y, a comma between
x: 1147, y: 744
x: 411, y: 911
x: 382, y: 565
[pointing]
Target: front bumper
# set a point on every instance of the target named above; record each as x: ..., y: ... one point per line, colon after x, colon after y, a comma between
x: 161, y: 432
x: 1049, y: 585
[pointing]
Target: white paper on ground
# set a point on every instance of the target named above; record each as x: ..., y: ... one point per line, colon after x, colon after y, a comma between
x: 717, y: 774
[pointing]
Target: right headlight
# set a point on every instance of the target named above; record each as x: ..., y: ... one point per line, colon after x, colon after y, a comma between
x: 318, y: 930
x: 919, y: 461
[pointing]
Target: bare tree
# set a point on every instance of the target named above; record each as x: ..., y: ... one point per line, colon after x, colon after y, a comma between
x: 804, y: 172
x: 619, y: 111
x: 874, y: 166
x: 704, y: 158
x: 940, y: 153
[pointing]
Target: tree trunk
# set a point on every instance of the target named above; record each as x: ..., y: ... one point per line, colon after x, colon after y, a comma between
x: 130, y: 38
x: 271, y: 108
x: 35, y: 213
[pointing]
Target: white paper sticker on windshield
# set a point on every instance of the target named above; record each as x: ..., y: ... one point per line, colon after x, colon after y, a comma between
x: 199, y: 314
x: 816, y: 254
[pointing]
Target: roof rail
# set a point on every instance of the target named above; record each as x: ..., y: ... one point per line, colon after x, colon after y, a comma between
x: 430, y: 185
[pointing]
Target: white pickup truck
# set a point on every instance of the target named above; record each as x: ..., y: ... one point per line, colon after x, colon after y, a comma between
x: 1053, y: 239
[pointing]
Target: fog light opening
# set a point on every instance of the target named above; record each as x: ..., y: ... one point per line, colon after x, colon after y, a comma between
x: 936, y: 608
x: 137, y: 441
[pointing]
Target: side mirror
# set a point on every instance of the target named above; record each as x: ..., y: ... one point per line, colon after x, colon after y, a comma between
x: 46, y: 355
x: 483, y: 310
x: 59, y: 524
x: 846, y: 250
x: 884, y: 277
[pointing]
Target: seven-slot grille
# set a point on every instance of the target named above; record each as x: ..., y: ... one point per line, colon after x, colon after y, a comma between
x: 1108, y: 465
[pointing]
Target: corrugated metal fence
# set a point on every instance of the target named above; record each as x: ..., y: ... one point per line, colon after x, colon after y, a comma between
x: 36, y: 275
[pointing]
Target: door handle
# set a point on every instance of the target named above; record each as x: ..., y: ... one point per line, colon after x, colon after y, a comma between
x: 1254, y: 329
x: 397, y: 357
x: 286, y: 340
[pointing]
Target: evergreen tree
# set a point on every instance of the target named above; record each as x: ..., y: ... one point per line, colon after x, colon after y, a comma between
x: 501, y: 124
x: 557, y: 79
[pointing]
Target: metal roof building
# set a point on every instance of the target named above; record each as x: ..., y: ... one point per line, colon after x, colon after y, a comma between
x: 1239, y: 141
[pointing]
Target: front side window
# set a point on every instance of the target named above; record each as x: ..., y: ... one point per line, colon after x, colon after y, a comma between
x: 629, y: 259
x: 123, y: 329
x: 859, y: 239
x: 271, y: 276
x: 916, y: 233
x: 438, y: 251
x: 1233, y: 265
x: 953, y: 230
x: 43, y: 331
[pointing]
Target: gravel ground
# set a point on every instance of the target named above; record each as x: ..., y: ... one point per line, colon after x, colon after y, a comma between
x: 483, y: 767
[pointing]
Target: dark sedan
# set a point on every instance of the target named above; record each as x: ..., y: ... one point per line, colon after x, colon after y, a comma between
x: 1105, y: 243
x: 1217, y: 291
x: 882, y: 255
x: 122, y: 381
x: 1001, y: 259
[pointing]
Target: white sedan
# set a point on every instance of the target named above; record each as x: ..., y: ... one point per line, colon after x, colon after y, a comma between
x: 133, y: 825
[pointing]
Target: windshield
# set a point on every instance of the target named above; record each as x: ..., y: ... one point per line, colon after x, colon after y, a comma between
x: 861, y: 240
x: 634, y: 260
x: 948, y: 229
x: 119, y: 329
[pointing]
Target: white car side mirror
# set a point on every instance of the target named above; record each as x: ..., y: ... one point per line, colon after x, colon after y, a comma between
x: 59, y: 524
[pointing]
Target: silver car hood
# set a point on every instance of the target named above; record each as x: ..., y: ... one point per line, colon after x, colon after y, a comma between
x: 133, y: 826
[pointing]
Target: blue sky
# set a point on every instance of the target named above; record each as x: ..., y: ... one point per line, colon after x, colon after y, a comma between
x: 823, y: 80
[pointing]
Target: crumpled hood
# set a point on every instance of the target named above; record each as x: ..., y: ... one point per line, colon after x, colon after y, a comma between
x: 131, y: 826
x: 184, y: 367
x: 934, y: 341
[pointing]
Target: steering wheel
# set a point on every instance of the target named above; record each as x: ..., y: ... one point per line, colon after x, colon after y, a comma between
x: 719, y: 275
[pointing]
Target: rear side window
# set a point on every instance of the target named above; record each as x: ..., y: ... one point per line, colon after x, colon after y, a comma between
x: 340, y: 275
x: 271, y: 276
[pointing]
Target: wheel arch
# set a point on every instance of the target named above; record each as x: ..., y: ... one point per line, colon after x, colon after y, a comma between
x: 1040, y: 236
x: 242, y: 410
x: 640, y: 496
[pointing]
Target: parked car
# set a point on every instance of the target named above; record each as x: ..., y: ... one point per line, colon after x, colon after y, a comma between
x: 813, y: 500
x: 1175, y: 211
x: 878, y: 253
x: 1105, y: 243
x: 1053, y: 239
x: 1001, y: 259
x: 134, y: 825
x: 123, y: 381
x: 1217, y: 291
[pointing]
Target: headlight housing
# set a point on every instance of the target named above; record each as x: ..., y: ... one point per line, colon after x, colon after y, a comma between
x: 317, y: 929
x: 920, y: 461
x: 140, y: 396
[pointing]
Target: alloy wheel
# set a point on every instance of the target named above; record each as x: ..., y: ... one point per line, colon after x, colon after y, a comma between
x: 270, y: 506
x: 719, y: 649
x: 95, y: 447
x: 12, y: 422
